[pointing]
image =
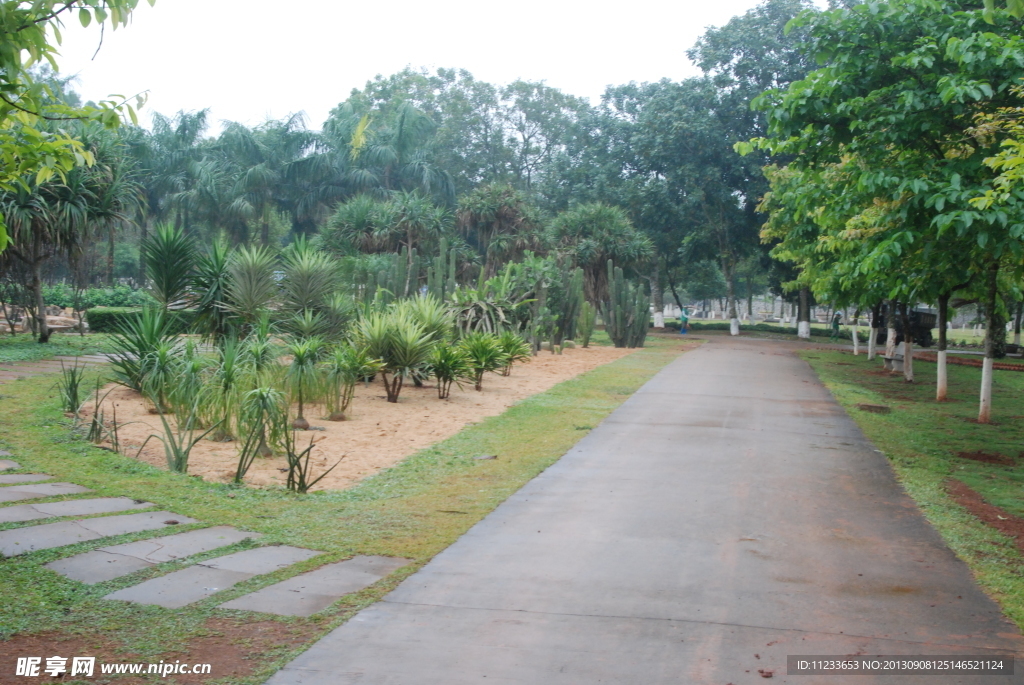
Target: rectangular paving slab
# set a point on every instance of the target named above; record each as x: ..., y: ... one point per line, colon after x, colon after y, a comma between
x: 6, y: 464
x: 308, y: 593
x: 194, y: 583
x: 112, y: 562
x: 13, y: 493
x: 74, y: 507
x: 50, y: 535
x: 10, y: 478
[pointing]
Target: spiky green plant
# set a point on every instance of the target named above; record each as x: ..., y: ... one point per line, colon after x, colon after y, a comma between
x: 305, y: 384
x: 515, y: 349
x: 187, y: 387
x: 401, y: 344
x: 259, y: 354
x: 305, y: 324
x: 299, y: 473
x: 209, y: 287
x: 626, y: 313
x: 179, y: 441
x: 135, y: 339
x: 161, y: 371
x: 310, y: 277
x: 343, y: 368
x: 262, y: 410
x: 219, y: 396
x: 169, y: 256
x: 449, y: 364
x: 484, y: 353
x: 252, y: 286
x: 69, y: 388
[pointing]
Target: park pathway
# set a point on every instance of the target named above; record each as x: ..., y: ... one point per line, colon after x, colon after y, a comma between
x: 727, y: 515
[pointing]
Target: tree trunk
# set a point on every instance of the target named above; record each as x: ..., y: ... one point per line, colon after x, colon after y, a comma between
x: 37, y: 287
x: 672, y: 287
x: 730, y: 295
x: 1016, y: 323
x: 856, y: 333
x: 872, y: 338
x: 658, y: 295
x: 265, y: 232
x: 144, y: 230
x: 890, y: 324
x: 908, y: 345
x: 750, y: 301
x: 940, y: 371
x: 803, y: 317
x: 985, y: 405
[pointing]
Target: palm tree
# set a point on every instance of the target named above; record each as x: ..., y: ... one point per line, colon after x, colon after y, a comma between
x: 501, y: 223
x: 303, y: 376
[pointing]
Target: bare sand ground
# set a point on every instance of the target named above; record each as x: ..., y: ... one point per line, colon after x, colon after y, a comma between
x: 377, y: 435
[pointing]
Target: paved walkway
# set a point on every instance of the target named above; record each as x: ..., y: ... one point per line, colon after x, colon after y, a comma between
x: 727, y: 515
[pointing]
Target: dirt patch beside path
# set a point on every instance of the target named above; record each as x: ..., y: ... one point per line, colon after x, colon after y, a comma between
x: 377, y: 435
x: 1006, y: 523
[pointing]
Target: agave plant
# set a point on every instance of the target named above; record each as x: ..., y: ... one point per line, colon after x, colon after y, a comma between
x: 69, y: 388
x: 135, y: 340
x: 484, y: 353
x: 515, y: 349
x: 179, y: 441
x: 449, y: 364
x: 303, y: 377
x: 343, y: 369
x: 401, y: 344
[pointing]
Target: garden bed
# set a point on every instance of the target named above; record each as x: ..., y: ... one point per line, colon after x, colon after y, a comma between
x: 377, y: 435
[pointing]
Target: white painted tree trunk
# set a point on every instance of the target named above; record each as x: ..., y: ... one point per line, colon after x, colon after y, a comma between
x: 872, y: 343
x: 985, y: 410
x: 734, y: 326
x: 890, y: 342
x: 940, y: 380
x: 856, y: 341
x: 659, y: 319
x: 908, y: 361
x: 803, y: 330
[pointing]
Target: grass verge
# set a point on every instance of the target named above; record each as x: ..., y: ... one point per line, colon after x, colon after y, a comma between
x: 929, y: 442
x: 413, y: 510
x: 22, y: 348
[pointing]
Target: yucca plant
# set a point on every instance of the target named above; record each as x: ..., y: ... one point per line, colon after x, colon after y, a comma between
x: 515, y: 349
x: 310, y: 277
x: 69, y: 388
x: 179, y: 441
x: 339, y: 313
x: 185, y: 390
x: 135, y: 339
x: 161, y: 370
x: 303, y: 379
x: 169, y: 256
x: 209, y: 287
x: 401, y: 344
x: 299, y: 474
x: 305, y: 324
x: 432, y: 315
x: 259, y: 354
x: 252, y: 286
x: 484, y: 353
x: 261, y: 412
x: 345, y: 367
x: 449, y: 364
x: 220, y: 393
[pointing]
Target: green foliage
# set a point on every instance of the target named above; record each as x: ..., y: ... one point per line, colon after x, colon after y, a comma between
x: 251, y: 287
x: 484, y: 353
x: 210, y: 282
x: 300, y: 478
x: 262, y: 412
x: 626, y: 313
x: 309, y: 279
x: 160, y: 373
x: 138, y: 338
x: 400, y: 343
x: 305, y: 384
x: 179, y: 441
x: 343, y: 368
x: 111, y: 319
x: 587, y: 320
x: 514, y: 349
x: 220, y: 394
x: 449, y: 364
x: 69, y: 388
x: 170, y: 257
x: 64, y: 295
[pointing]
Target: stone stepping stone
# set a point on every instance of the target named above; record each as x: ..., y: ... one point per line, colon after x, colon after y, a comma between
x: 108, y: 563
x: 13, y: 493
x: 308, y: 593
x: 75, y: 507
x: 50, y: 535
x: 194, y: 583
x: 8, y: 478
x: 6, y: 464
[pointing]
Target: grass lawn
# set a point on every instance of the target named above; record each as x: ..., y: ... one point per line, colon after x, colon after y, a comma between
x: 22, y: 348
x: 923, y: 440
x: 413, y: 510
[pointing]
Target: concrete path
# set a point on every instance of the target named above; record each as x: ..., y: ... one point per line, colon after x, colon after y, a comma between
x: 49, y: 535
x: 727, y: 515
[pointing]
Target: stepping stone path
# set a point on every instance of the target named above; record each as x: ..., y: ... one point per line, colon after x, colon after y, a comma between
x: 194, y: 583
x: 13, y: 493
x: 108, y: 563
x: 7, y: 479
x: 308, y: 593
x: 75, y: 507
x: 50, y: 535
x: 303, y: 595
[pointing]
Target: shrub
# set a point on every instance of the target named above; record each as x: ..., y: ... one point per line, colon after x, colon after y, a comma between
x: 63, y: 295
x: 401, y: 344
x: 303, y: 378
x: 484, y: 353
x: 515, y: 350
x: 343, y: 369
x: 137, y: 338
x: 110, y: 319
x: 449, y: 364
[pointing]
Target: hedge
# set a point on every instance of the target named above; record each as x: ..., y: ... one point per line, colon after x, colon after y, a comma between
x: 63, y: 295
x: 764, y: 327
x: 108, y: 319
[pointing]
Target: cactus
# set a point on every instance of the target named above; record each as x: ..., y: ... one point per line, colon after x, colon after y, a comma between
x: 585, y: 325
x: 441, y: 274
x: 572, y: 301
x: 626, y: 314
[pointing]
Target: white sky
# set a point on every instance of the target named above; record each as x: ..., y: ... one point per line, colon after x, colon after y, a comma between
x: 253, y: 59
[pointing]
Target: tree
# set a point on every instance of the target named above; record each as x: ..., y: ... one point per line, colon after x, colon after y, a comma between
x: 502, y: 224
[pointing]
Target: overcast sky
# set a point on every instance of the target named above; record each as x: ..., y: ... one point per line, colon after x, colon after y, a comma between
x: 255, y: 59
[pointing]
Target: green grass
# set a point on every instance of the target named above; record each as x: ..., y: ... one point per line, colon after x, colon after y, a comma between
x: 922, y: 438
x: 413, y: 510
x: 22, y: 348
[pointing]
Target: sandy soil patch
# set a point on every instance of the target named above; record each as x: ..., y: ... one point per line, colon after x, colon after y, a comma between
x: 377, y: 435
